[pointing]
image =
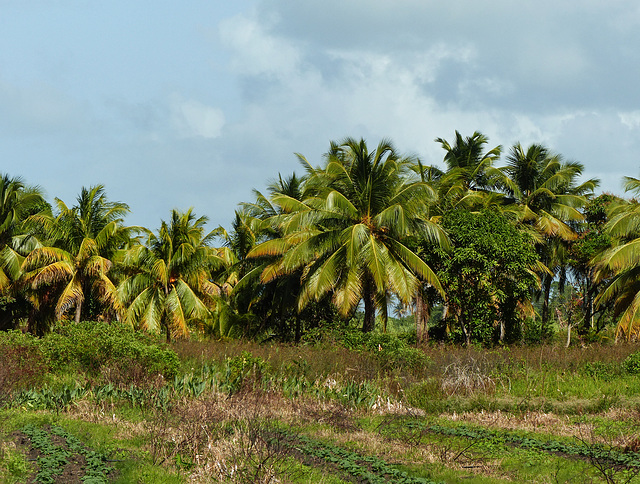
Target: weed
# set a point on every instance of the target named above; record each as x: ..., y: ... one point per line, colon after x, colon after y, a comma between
x: 21, y: 366
x: 631, y: 363
x: 15, y: 463
x: 466, y: 377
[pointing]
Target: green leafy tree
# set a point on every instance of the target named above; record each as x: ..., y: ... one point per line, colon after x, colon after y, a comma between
x: 591, y: 242
x: 487, y: 276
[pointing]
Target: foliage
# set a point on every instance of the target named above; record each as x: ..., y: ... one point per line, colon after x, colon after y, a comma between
x: 488, y: 276
x: 93, y: 347
x: 167, y: 287
x: 632, y: 363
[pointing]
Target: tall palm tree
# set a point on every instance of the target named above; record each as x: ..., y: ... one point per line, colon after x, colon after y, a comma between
x: 79, y: 247
x: 619, y: 266
x: 167, y: 286
x: 471, y: 178
x: 548, y: 199
x: 17, y: 203
x: 347, y: 234
x: 545, y: 189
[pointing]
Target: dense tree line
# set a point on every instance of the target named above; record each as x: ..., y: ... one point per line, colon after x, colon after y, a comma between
x: 500, y: 251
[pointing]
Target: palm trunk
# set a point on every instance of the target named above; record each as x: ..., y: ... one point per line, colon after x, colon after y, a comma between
x: 546, y: 288
x: 164, y: 317
x: 384, y: 315
x: 369, y: 309
x: 78, y: 312
x: 422, y: 317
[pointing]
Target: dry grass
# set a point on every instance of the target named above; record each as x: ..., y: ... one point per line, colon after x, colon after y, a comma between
x: 529, y: 357
x: 556, y: 425
x: 20, y: 367
x: 312, y: 361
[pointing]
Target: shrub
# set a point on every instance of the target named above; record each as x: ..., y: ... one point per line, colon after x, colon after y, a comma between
x: 601, y: 370
x: 632, y: 363
x: 242, y: 370
x: 426, y: 395
x: 394, y: 352
x: 92, y: 347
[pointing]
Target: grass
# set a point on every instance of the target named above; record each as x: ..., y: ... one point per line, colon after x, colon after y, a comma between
x: 242, y: 412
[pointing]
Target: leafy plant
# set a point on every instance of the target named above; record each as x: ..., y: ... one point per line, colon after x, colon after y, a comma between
x: 54, y: 457
x: 632, y: 363
x: 91, y: 346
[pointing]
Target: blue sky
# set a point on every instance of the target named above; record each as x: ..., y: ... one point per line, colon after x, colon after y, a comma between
x: 173, y: 105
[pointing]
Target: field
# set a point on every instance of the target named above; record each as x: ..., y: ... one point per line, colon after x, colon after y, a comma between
x: 374, y: 410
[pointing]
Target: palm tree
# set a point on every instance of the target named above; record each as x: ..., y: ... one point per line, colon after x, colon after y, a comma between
x: 620, y: 265
x: 470, y: 179
x: 545, y: 189
x: 347, y: 234
x: 17, y: 202
x: 167, y: 286
x: 547, y: 199
x: 80, y: 244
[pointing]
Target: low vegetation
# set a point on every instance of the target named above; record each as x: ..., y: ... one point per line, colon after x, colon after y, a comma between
x: 346, y: 407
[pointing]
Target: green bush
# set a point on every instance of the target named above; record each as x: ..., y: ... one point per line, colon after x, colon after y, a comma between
x: 92, y: 347
x: 426, y: 395
x: 601, y: 370
x: 391, y: 351
x: 394, y: 352
x: 632, y: 363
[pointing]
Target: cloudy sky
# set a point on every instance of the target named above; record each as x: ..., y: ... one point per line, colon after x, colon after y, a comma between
x: 178, y: 104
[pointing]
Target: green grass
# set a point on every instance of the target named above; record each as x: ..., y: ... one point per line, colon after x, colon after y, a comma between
x: 133, y: 465
x: 230, y: 399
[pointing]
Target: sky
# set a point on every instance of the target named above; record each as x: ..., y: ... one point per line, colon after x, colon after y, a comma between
x: 172, y: 105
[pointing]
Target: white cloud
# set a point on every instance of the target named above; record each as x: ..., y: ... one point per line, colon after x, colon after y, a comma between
x: 193, y: 119
x: 630, y: 119
x: 257, y: 52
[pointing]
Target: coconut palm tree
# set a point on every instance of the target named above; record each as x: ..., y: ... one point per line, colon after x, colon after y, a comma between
x: 546, y: 197
x: 347, y: 234
x: 17, y: 202
x: 545, y: 189
x: 78, y: 251
x: 167, y: 284
x: 470, y: 179
x: 619, y: 266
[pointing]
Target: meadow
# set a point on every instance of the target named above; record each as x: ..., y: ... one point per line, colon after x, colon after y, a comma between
x: 95, y: 403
